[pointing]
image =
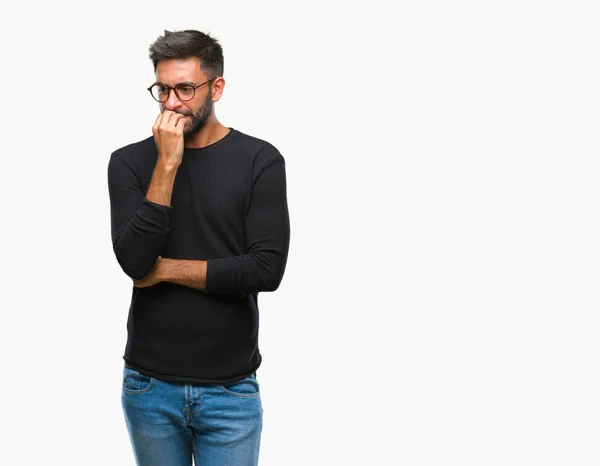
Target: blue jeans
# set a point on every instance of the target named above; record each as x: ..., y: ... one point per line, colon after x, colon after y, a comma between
x: 171, y: 422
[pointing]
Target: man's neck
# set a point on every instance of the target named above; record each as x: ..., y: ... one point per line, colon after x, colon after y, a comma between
x: 210, y: 133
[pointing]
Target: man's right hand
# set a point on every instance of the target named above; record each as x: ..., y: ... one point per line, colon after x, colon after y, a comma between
x: 168, y: 135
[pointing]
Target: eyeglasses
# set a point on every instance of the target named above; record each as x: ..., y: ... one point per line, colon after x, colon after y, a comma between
x: 184, y: 91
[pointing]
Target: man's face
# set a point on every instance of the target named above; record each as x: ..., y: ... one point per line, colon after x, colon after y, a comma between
x: 197, y: 110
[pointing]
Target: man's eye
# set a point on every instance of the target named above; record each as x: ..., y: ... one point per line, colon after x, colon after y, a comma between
x: 185, y: 89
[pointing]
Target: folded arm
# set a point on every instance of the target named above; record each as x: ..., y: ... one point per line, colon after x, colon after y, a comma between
x: 190, y: 273
x: 139, y: 222
x: 267, y: 236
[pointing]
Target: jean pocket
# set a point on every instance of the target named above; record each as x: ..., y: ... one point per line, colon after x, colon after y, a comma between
x: 135, y: 382
x: 245, y: 388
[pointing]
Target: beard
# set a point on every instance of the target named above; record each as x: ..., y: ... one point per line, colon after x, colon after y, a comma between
x: 198, y: 119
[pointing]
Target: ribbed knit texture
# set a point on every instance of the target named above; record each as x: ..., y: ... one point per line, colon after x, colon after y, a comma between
x: 229, y: 207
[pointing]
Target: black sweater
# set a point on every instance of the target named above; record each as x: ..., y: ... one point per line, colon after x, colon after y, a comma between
x: 228, y: 207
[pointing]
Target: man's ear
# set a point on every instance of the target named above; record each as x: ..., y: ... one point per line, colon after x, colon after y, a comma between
x: 217, y: 89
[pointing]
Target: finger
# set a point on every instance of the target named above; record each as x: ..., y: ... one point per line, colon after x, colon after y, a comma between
x: 176, y: 118
x: 172, y: 126
x: 166, y: 115
x: 180, y: 123
x: 170, y: 119
x: 157, y: 123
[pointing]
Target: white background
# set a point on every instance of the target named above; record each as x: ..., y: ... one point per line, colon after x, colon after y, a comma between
x: 440, y: 303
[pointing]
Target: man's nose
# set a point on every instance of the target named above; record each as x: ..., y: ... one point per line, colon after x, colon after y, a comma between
x: 172, y: 101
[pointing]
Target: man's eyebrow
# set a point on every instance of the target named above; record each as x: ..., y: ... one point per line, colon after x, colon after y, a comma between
x: 184, y: 83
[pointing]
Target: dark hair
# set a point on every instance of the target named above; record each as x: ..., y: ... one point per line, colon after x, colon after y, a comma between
x: 186, y: 44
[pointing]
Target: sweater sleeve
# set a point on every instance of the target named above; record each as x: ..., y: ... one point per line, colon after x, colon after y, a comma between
x: 267, y: 235
x: 139, y: 227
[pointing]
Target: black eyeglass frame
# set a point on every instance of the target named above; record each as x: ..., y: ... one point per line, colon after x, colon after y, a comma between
x: 175, y: 90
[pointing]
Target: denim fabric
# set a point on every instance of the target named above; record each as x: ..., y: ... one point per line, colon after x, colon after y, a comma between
x: 171, y: 422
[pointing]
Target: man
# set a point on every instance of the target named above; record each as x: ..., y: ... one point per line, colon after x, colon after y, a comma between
x: 200, y: 223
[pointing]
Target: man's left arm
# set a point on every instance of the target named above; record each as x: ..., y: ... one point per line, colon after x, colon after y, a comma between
x: 191, y: 273
x: 267, y: 236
